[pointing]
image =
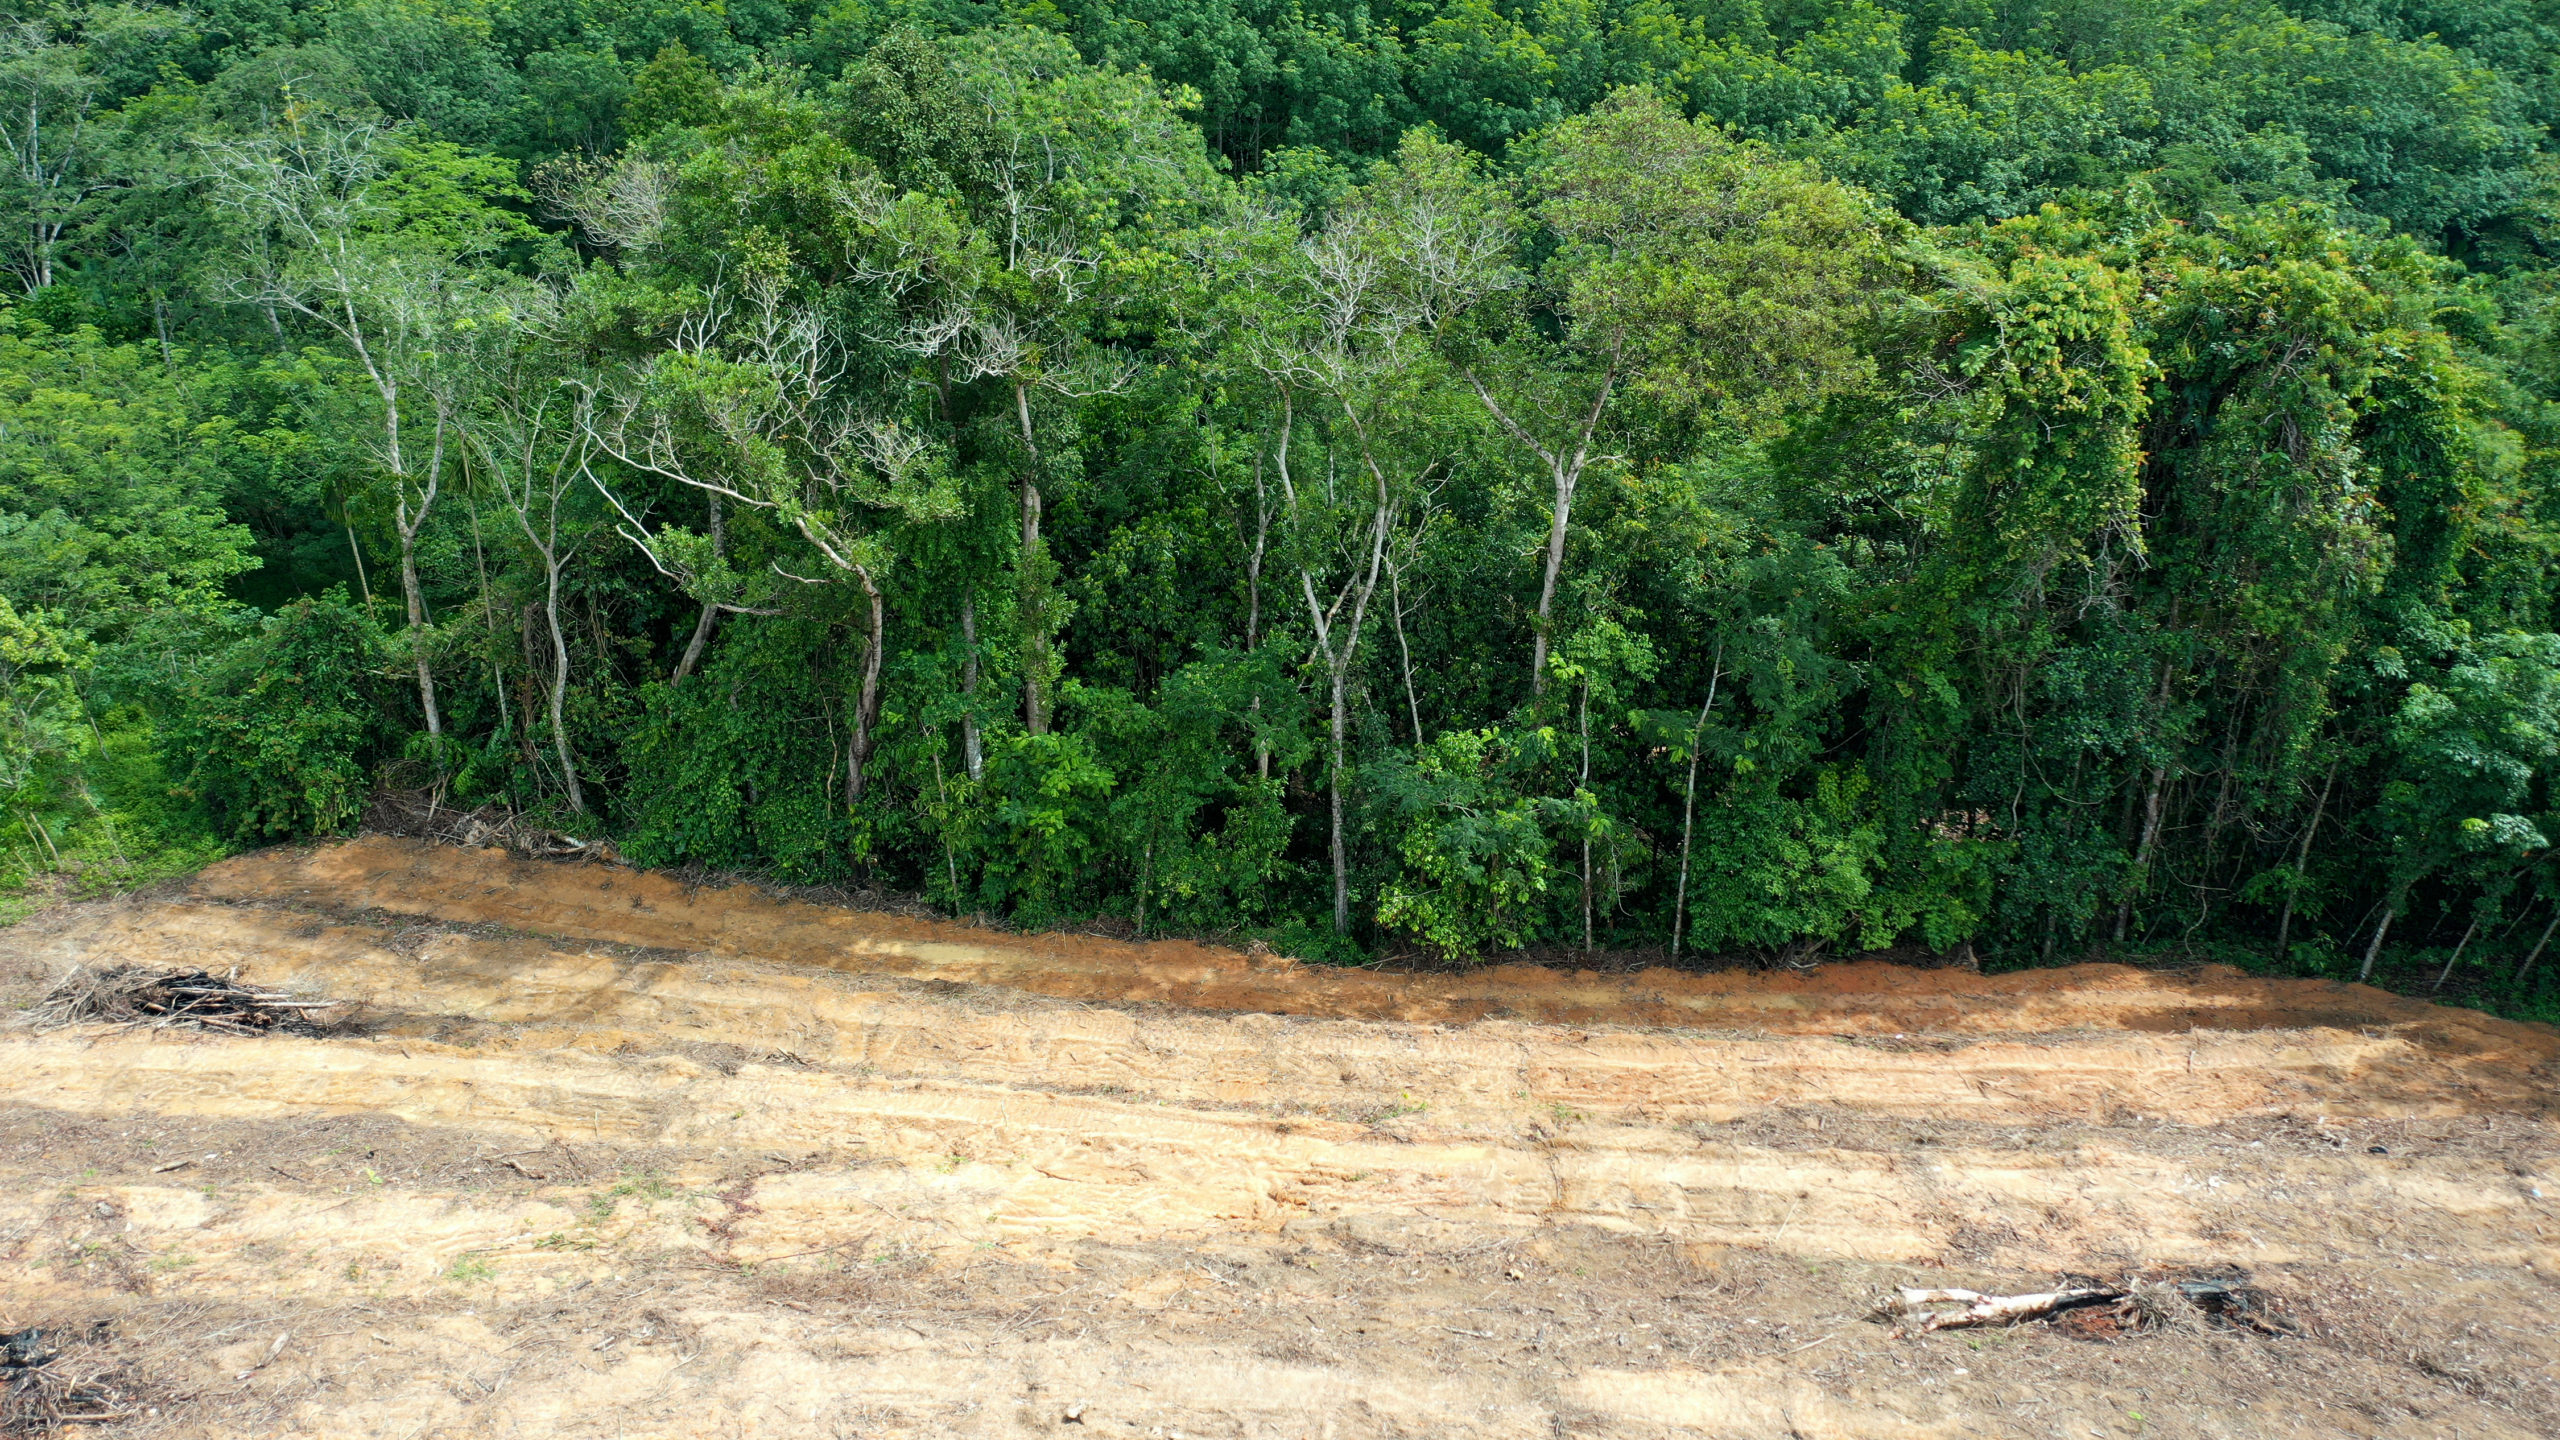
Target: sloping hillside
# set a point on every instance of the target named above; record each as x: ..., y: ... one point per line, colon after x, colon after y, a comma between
x: 591, y: 1154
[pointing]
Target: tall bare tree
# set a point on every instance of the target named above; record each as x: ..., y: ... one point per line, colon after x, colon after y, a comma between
x: 1337, y: 326
x: 315, y: 234
x: 1680, y: 264
x: 751, y: 403
x: 534, y: 452
x: 52, y: 138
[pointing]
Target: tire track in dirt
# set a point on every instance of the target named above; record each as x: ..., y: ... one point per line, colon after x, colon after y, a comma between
x: 981, y: 1165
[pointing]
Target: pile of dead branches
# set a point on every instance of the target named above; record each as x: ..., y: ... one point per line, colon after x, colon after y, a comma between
x: 422, y: 815
x: 41, y: 1390
x: 124, y: 995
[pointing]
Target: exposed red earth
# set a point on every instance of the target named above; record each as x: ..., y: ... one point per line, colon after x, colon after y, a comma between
x: 591, y: 1152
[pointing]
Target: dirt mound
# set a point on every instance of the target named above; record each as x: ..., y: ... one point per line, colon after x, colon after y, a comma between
x: 588, y: 1153
x: 632, y: 907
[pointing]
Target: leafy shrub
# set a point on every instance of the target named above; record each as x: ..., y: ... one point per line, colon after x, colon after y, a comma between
x: 1030, y: 827
x: 1199, y: 839
x: 1477, y: 858
x: 740, y: 765
x: 1774, y: 867
x: 279, y: 735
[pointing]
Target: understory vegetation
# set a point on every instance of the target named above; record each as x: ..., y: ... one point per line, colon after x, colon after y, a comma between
x: 1771, y: 479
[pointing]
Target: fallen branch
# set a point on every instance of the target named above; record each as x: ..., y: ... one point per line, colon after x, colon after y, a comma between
x: 1977, y: 1308
x: 2137, y: 1303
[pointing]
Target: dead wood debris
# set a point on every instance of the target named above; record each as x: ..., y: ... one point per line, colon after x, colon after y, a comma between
x: 1976, y: 1308
x: 2093, y: 1311
x: 45, y: 1386
x: 422, y: 815
x: 2233, y: 1302
x: 124, y: 995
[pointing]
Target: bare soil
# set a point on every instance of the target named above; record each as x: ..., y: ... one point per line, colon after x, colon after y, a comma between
x: 592, y: 1153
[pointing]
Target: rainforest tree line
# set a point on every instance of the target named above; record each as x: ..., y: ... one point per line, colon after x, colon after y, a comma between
x: 1759, y: 478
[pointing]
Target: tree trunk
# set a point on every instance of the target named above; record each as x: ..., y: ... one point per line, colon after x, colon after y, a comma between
x: 1339, y: 662
x: 1146, y: 868
x: 417, y: 629
x: 488, y: 607
x: 1560, y: 518
x: 2140, y: 879
x: 1035, y: 579
x: 2373, y: 950
x: 1689, y: 802
x: 560, y: 688
x: 701, y: 640
x: 2221, y: 808
x: 1342, y: 647
x: 363, y: 586
x: 710, y: 616
x: 2142, y: 852
x: 2458, y: 947
x: 409, y: 523
x: 525, y: 692
x: 1585, y: 786
x: 972, y: 748
x: 1404, y: 655
x: 2527, y: 967
x: 1333, y: 776
x: 1565, y: 466
x: 2302, y: 859
x: 1253, y: 608
x: 867, y: 704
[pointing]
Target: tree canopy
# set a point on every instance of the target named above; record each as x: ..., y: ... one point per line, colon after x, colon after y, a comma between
x: 1435, y: 480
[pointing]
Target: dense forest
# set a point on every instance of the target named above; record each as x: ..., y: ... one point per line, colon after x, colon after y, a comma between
x: 1738, y: 479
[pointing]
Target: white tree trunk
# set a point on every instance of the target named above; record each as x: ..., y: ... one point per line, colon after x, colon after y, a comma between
x: 972, y: 747
x: 1035, y: 634
x: 560, y: 687
x: 1689, y: 801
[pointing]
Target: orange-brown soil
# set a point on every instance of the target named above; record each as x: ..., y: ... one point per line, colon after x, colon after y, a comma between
x: 595, y: 1153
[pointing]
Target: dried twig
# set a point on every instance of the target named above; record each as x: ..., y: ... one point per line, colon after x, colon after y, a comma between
x: 42, y: 1389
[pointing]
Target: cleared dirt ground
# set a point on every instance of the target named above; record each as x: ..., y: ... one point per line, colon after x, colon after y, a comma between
x: 594, y: 1154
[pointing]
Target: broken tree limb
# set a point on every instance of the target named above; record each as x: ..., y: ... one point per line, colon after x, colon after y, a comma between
x: 1977, y: 1308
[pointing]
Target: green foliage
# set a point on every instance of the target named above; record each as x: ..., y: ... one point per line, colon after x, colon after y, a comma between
x: 1477, y: 476
x: 109, y: 507
x: 2471, y: 737
x: 1477, y: 855
x: 113, y: 537
x: 675, y: 88
x: 279, y: 735
x: 1210, y: 839
x: 720, y: 762
x: 1033, y: 824
x: 1729, y: 278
